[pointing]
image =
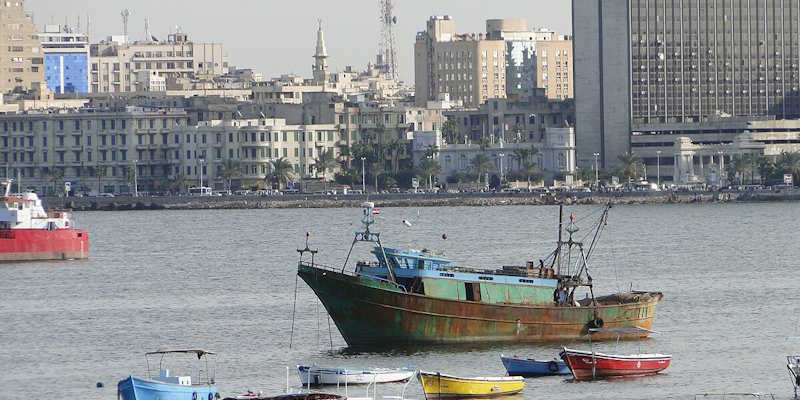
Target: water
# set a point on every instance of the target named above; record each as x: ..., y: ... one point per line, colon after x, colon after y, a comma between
x: 225, y: 280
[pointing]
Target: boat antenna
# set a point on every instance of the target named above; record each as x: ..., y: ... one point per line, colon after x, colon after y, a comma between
x: 294, y: 304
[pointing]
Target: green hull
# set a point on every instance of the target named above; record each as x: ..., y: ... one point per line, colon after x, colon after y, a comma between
x: 369, y: 312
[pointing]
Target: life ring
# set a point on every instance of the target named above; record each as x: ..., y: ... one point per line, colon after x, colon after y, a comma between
x: 194, y: 395
x: 552, y: 366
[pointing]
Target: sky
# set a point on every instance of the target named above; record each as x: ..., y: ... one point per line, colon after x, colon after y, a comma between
x: 278, y: 37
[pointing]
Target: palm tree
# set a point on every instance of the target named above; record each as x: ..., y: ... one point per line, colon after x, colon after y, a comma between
x: 54, y: 176
x: 789, y: 163
x: 481, y: 163
x: 430, y: 167
x: 100, y: 172
x: 229, y: 169
x: 738, y: 166
x: 179, y: 184
x: 530, y: 169
x: 522, y: 155
x: 450, y: 131
x: 324, y: 162
x: 630, y: 165
x: 282, y: 171
x: 395, y: 148
x: 345, y: 155
x: 766, y: 168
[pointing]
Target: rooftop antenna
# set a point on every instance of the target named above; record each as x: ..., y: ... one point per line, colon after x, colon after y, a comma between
x: 125, y: 14
x: 88, y: 26
x: 387, y: 47
x: 147, y: 36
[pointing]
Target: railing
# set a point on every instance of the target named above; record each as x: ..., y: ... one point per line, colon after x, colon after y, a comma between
x: 348, y: 273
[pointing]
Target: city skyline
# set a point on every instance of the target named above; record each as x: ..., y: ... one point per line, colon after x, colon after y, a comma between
x: 343, y: 27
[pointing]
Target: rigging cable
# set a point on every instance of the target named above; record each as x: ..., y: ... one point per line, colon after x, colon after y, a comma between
x: 294, y: 306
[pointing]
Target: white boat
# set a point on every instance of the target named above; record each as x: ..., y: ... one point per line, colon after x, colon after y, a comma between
x: 793, y: 364
x: 316, y: 376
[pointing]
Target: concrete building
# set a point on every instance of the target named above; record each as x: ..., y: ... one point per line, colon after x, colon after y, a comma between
x: 114, y: 64
x: 645, y: 68
x: 150, y: 81
x: 21, y: 59
x: 66, y: 59
x: 535, y: 58
x: 556, y: 156
x: 468, y: 67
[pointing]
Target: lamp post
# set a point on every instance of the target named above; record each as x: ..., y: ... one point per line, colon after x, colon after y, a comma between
x: 200, y: 172
x: 596, y: 172
x: 363, y: 176
x: 135, y: 178
x: 658, y: 168
x: 430, y: 177
x: 501, y: 155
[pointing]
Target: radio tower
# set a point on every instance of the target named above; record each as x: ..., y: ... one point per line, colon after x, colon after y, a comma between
x: 387, y: 60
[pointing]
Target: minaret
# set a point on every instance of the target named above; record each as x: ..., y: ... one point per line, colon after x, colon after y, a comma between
x: 320, y: 68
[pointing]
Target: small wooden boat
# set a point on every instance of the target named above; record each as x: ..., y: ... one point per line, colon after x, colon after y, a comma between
x: 588, y: 365
x: 169, y: 386
x: 437, y: 385
x: 793, y: 364
x: 529, y: 367
x: 317, y: 376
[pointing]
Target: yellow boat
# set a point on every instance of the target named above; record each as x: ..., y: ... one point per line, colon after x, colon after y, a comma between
x: 438, y: 385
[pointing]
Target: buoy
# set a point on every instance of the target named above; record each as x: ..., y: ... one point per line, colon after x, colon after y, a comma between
x: 100, y: 385
x: 444, y: 236
x: 406, y: 223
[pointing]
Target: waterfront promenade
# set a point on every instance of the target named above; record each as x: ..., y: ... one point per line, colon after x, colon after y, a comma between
x: 406, y: 200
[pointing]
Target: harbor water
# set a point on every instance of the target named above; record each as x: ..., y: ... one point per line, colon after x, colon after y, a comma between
x: 225, y: 280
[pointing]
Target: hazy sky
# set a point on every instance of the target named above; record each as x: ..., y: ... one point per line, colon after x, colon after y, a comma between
x: 277, y: 37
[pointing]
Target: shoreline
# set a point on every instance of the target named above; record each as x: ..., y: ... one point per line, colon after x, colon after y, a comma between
x: 123, y: 203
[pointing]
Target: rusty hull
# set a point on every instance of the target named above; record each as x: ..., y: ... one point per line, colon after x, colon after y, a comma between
x: 369, y: 312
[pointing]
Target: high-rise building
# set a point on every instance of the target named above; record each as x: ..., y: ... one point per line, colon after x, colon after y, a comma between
x: 535, y: 58
x: 66, y: 59
x: 114, y: 64
x: 21, y: 62
x: 467, y: 67
x: 645, y: 68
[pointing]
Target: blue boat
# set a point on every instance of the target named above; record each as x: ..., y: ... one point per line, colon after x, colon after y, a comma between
x: 166, y: 386
x: 533, y: 368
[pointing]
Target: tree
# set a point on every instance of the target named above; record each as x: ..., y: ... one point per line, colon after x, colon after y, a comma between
x: 630, y: 164
x: 481, y: 163
x: 179, y: 184
x: 395, y: 148
x: 450, y: 131
x: 738, y: 166
x: 324, y: 162
x: 766, y: 168
x: 229, y: 169
x: 530, y: 169
x: 430, y: 167
x: 281, y: 171
x: 100, y: 172
x: 55, y: 176
x: 789, y: 163
x: 345, y: 155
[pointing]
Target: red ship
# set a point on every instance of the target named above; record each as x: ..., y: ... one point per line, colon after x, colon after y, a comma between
x: 29, y: 232
x: 588, y: 365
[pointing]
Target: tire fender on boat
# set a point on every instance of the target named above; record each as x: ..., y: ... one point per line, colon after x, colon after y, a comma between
x: 210, y: 396
x: 552, y: 366
x: 194, y: 395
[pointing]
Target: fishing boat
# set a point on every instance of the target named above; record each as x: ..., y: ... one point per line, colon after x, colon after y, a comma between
x: 290, y: 396
x: 407, y: 296
x: 165, y: 385
x: 438, y: 385
x: 529, y: 367
x: 317, y: 376
x: 29, y: 232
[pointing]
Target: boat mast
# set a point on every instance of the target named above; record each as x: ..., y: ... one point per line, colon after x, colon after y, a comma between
x: 368, y: 219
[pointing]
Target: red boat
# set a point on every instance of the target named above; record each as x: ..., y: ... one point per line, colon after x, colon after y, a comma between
x: 28, y: 232
x: 588, y: 365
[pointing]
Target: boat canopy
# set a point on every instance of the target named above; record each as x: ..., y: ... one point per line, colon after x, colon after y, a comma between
x: 200, y: 352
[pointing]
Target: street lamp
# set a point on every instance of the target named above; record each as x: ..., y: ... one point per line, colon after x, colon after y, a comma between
x: 135, y: 178
x: 430, y: 176
x: 596, y: 172
x: 201, y: 161
x: 363, y: 176
x: 658, y: 168
x: 501, y: 155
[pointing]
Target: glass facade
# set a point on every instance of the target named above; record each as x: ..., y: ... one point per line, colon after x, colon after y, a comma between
x: 75, y: 68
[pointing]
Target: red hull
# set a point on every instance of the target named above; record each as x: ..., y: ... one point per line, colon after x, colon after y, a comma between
x: 43, y: 244
x: 609, y: 366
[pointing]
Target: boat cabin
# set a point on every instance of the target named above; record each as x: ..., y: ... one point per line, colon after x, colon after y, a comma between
x: 428, y: 273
